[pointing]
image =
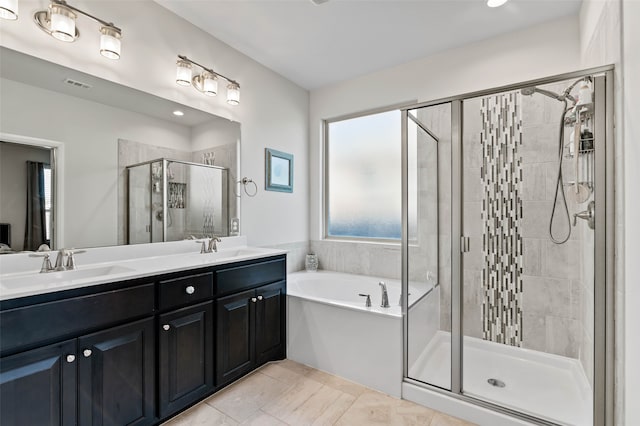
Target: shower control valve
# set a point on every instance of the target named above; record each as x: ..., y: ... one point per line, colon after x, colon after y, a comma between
x: 588, y: 215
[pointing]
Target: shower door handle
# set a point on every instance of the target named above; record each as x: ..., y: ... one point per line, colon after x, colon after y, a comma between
x: 465, y: 244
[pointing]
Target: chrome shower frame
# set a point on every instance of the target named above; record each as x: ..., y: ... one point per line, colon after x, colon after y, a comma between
x: 604, y: 290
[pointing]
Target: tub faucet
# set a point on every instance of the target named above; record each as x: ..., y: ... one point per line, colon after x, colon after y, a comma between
x: 385, y: 296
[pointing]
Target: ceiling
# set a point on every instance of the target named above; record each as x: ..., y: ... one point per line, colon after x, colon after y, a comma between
x: 316, y: 45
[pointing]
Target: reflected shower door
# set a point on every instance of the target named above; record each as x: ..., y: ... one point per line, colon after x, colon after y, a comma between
x: 139, y: 204
x: 528, y: 301
x: 428, y: 349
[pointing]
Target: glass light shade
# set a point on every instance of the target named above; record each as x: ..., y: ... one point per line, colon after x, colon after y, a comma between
x: 9, y: 9
x: 209, y: 84
x: 233, y: 94
x: 110, y: 42
x: 496, y: 3
x: 63, y: 23
x: 183, y: 73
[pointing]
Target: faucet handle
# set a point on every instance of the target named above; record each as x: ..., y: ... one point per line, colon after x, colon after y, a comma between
x: 203, y: 247
x: 46, y: 262
x: 71, y: 261
x: 367, y: 302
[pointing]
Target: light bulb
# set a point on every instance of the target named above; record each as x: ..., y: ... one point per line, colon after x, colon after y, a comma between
x: 183, y: 73
x: 209, y: 84
x: 233, y: 94
x: 496, y: 3
x: 9, y: 9
x: 63, y: 22
x: 110, y: 42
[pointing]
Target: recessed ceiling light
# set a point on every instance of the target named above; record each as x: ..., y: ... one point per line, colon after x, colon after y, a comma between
x: 178, y: 113
x: 496, y: 3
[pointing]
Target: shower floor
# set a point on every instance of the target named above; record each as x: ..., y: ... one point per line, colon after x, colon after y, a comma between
x: 540, y: 384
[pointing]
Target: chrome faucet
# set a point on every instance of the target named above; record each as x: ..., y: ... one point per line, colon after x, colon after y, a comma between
x: 213, y: 247
x: 60, y: 264
x: 385, y: 296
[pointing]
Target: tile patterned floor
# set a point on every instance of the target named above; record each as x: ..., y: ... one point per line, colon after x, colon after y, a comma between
x: 288, y: 393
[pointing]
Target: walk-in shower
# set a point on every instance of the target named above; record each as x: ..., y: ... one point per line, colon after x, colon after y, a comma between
x: 171, y: 200
x: 494, y: 186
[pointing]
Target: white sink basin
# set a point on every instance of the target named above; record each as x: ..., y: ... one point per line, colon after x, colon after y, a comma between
x: 56, y: 278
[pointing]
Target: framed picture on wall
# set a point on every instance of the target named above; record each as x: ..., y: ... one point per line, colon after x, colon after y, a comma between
x: 278, y: 171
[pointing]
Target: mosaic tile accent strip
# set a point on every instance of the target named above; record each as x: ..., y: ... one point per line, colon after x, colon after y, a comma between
x: 501, y: 174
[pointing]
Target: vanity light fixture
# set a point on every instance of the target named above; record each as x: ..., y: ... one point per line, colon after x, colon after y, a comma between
x: 9, y: 9
x: 59, y: 21
x: 206, y: 80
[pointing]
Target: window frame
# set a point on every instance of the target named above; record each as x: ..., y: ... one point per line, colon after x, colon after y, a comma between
x: 325, y: 174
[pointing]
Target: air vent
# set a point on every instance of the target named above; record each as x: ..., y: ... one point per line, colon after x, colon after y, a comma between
x: 76, y: 83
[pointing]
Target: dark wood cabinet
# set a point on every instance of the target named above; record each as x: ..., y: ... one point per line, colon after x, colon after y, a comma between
x: 235, y: 336
x: 137, y: 352
x: 116, y: 375
x: 185, y: 356
x: 38, y: 387
x: 270, y: 322
x: 250, y: 330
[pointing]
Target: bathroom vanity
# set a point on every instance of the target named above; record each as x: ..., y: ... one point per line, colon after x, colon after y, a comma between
x: 136, y: 351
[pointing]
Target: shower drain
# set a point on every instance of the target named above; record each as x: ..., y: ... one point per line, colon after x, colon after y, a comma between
x: 497, y: 383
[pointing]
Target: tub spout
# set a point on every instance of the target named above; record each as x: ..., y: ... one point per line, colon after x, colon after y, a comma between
x: 385, y: 296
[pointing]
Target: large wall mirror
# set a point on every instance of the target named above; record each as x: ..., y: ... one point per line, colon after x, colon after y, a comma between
x: 83, y: 136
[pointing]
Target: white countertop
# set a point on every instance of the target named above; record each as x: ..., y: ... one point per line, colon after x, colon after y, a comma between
x: 20, y: 277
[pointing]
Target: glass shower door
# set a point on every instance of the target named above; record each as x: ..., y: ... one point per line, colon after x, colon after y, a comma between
x: 528, y: 265
x: 428, y: 132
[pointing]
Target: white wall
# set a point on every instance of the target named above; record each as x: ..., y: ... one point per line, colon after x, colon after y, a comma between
x: 540, y: 51
x: 273, y: 111
x: 631, y: 158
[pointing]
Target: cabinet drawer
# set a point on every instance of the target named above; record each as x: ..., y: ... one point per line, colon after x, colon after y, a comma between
x: 51, y: 321
x: 185, y: 290
x: 237, y: 278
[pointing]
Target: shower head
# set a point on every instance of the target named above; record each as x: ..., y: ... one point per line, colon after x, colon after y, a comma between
x: 528, y: 91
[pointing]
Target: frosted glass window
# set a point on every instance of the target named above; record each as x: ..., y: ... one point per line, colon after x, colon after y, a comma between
x: 363, y: 177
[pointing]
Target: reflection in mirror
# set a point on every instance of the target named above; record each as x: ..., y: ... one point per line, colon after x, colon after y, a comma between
x: 171, y: 200
x: 99, y: 128
x: 26, y: 193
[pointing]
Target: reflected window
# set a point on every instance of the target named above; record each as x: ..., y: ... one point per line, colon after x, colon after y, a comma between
x: 47, y: 201
x: 363, y: 179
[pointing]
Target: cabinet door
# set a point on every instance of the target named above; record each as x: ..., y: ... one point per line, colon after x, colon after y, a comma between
x: 186, y: 356
x: 116, y: 375
x: 270, y: 322
x: 235, y: 352
x: 38, y: 387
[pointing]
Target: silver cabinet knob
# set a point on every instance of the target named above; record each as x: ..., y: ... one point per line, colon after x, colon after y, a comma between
x: 71, y: 358
x: 190, y: 290
x: 166, y: 327
x: 86, y: 353
x: 254, y: 300
x: 260, y: 297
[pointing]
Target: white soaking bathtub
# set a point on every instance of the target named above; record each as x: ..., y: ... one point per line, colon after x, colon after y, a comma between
x: 330, y: 328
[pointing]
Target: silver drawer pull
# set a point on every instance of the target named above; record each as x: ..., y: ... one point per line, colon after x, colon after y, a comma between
x: 71, y: 358
x: 254, y: 300
x: 86, y: 353
x: 166, y: 327
x: 260, y: 297
x: 190, y: 290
